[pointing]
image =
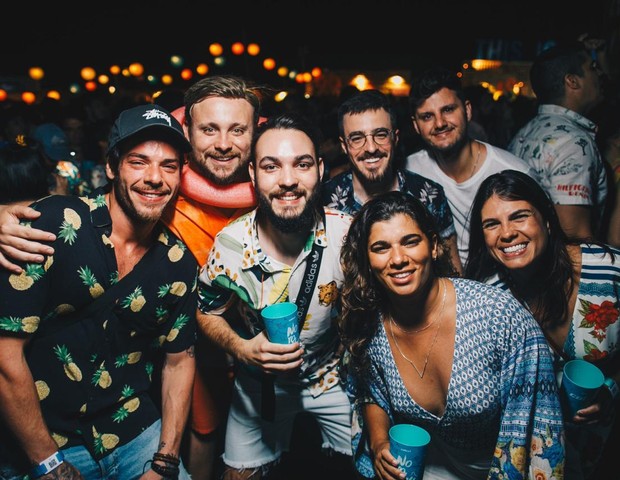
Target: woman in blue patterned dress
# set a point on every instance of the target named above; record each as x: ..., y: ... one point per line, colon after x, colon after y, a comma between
x: 572, y: 287
x: 462, y: 359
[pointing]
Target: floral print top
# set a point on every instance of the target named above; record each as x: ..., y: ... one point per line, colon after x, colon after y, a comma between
x: 593, y: 336
x: 338, y: 193
x: 93, y: 375
x: 503, y: 418
x: 559, y: 144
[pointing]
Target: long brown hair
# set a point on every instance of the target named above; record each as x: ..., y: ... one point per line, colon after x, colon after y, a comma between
x: 363, y: 297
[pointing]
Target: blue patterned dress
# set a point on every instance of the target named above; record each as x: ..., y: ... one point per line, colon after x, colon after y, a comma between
x: 503, y: 417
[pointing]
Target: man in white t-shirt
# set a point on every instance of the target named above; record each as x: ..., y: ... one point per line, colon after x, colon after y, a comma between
x: 441, y: 113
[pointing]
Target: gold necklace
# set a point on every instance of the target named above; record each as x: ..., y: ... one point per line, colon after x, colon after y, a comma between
x: 421, y: 373
x: 473, y: 170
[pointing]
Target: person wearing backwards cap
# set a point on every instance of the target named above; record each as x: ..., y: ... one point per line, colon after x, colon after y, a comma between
x: 82, y: 334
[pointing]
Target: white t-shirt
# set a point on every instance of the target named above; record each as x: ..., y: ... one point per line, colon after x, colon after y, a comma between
x: 461, y: 195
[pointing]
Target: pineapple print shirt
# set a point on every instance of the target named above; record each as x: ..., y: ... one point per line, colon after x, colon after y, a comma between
x: 239, y: 280
x: 93, y: 375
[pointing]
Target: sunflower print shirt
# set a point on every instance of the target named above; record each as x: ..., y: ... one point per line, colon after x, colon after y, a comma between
x: 93, y: 374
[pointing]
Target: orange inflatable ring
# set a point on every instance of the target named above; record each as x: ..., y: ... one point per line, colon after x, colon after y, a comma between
x: 198, y: 188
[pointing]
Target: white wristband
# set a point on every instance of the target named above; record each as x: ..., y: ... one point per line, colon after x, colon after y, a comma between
x: 47, y: 465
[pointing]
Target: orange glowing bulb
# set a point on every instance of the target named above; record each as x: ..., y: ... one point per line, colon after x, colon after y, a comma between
x: 136, y: 69
x: 253, y: 49
x: 237, y: 48
x: 269, y: 64
x: 186, y: 74
x: 36, y: 73
x: 28, y: 97
x: 87, y: 73
x: 216, y: 49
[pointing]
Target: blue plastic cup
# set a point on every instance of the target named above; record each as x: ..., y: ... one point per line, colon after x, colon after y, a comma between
x: 281, y: 323
x: 581, y: 381
x: 408, y: 444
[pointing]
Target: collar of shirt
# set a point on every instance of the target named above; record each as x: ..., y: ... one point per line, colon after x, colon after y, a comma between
x: 253, y: 253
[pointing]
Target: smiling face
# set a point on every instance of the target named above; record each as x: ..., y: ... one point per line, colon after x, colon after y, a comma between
x: 372, y: 161
x: 442, y: 120
x: 286, y: 175
x: 514, y: 232
x: 148, y: 179
x: 221, y: 136
x: 400, y: 255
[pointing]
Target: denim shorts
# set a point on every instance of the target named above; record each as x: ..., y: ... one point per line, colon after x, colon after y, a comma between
x: 253, y: 442
x: 124, y: 463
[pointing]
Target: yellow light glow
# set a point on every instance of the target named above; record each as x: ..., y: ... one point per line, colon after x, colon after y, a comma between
x: 36, y: 73
x: 280, y: 96
x: 253, y: 49
x: 53, y: 94
x: 317, y: 72
x: 282, y: 71
x: 481, y: 64
x: 166, y: 79
x: 88, y: 73
x: 202, y: 69
x: 216, y: 49
x: 103, y: 79
x: 176, y: 61
x: 136, y: 69
x: 307, y: 77
x: 115, y: 69
x: 361, y: 82
x: 219, y: 61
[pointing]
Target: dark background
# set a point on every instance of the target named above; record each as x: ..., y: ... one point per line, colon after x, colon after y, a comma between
x: 62, y: 37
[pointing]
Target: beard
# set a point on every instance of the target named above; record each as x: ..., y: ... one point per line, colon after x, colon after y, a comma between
x: 238, y: 175
x: 144, y: 217
x: 302, y: 222
x: 370, y: 179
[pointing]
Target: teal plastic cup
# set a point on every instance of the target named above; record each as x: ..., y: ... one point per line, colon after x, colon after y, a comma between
x: 581, y: 382
x: 281, y: 323
x: 408, y: 444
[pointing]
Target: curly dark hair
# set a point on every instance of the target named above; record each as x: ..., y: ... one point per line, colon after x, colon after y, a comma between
x: 363, y: 297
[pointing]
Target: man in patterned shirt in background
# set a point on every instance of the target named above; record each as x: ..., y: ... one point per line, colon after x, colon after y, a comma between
x: 368, y: 128
x: 75, y: 371
x: 559, y: 142
x: 260, y: 259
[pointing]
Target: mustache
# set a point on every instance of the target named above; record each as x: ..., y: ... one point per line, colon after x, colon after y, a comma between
x: 284, y: 191
x: 375, y: 154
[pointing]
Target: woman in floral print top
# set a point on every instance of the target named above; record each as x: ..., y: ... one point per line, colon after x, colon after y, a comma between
x: 572, y: 288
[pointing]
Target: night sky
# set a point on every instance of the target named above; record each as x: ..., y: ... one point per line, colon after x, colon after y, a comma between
x: 62, y: 37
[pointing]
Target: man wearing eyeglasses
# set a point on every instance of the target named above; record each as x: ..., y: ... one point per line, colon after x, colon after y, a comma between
x: 559, y: 142
x: 369, y: 134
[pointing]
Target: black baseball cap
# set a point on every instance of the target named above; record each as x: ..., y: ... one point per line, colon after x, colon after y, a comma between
x: 152, y: 118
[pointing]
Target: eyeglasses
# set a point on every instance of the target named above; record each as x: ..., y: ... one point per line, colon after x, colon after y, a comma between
x: 380, y: 136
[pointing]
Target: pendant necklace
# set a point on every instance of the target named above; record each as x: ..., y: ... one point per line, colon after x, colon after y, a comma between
x: 421, y: 373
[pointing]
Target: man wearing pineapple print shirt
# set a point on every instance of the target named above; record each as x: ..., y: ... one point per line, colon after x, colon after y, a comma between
x: 80, y: 383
